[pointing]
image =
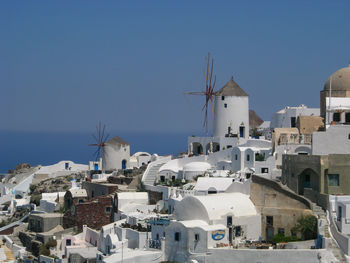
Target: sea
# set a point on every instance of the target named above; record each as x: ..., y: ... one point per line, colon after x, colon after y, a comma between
x: 46, y: 148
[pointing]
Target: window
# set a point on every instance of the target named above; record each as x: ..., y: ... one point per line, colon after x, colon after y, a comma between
x: 248, y: 157
x: 162, y: 178
x: 68, y: 242
x: 347, y: 117
x: 281, y: 231
x: 236, y: 157
x: 292, y: 122
x: 177, y: 236
x: 349, y: 136
x: 173, y: 178
x: 225, y: 105
x: 264, y: 170
x: 238, y: 231
x: 229, y: 146
x: 333, y: 179
x: 222, y: 97
x: 269, y: 220
x: 196, y: 237
x: 81, y: 201
x: 108, y: 209
x: 336, y: 116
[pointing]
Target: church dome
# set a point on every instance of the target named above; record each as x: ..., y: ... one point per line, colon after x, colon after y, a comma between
x: 340, y: 80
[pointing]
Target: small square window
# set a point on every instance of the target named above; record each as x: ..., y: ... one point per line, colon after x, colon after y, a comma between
x: 196, y: 237
x: 108, y: 209
x: 333, y: 179
x: 177, y: 236
x: 264, y: 170
x: 281, y: 231
x: 225, y: 105
x: 68, y: 242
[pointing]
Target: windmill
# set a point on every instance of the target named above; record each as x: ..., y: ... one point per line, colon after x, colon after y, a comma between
x: 208, y: 93
x: 100, y: 137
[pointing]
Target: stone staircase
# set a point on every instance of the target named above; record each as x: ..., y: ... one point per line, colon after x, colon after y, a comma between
x: 150, y: 175
x: 331, y: 243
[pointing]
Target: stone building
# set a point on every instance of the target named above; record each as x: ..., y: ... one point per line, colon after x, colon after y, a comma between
x: 317, y: 176
x: 280, y: 209
x: 44, y: 222
x: 98, y: 189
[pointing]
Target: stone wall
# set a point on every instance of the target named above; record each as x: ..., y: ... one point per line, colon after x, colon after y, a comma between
x: 95, y: 213
x: 271, y: 200
x: 96, y: 189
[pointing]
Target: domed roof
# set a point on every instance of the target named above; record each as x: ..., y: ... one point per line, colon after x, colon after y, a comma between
x: 340, y: 80
x: 196, y: 166
x: 231, y: 88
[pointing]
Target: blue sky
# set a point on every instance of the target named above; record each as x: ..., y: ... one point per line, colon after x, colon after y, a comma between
x: 65, y: 65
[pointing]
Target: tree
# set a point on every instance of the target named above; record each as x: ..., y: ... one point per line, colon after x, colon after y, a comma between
x: 307, y: 227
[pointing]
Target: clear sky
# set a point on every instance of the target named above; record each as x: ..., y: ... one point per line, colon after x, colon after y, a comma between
x: 65, y: 65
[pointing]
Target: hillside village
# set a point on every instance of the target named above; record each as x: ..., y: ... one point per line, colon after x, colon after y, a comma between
x: 254, y: 191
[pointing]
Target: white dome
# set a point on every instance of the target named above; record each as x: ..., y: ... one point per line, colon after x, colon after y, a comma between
x: 197, y: 166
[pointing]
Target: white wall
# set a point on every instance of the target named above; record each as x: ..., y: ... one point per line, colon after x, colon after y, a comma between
x: 282, y: 118
x: 113, y: 155
x: 234, y: 115
x: 335, y: 140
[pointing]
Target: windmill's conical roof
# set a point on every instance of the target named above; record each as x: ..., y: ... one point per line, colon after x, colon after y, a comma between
x: 231, y: 88
x: 116, y: 140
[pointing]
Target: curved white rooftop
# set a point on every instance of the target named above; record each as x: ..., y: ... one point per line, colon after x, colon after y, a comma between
x: 197, y: 166
x: 214, y: 207
x: 141, y: 154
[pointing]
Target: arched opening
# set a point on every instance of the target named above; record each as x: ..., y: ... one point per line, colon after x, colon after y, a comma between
x: 124, y: 164
x: 197, y: 148
x: 308, y: 179
x: 215, y: 147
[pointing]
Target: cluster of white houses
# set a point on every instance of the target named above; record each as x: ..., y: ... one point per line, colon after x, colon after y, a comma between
x: 230, y: 192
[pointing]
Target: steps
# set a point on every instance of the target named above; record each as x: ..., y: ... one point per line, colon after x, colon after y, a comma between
x: 332, y: 245
x: 150, y: 175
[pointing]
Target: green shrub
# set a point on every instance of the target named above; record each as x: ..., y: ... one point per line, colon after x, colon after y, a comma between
x: 35, y: 199
x: 280, y: 238
x: 307, y: 227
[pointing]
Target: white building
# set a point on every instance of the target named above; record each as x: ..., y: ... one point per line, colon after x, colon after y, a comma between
x: 231, y: 112
x: 287, y: 117
x: 231, y: 121
x: 140, y: 158
x: 204, y: 222
x: 116, y: 154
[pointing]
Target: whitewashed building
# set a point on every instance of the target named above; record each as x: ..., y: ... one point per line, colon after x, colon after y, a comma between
x: 116, y: 154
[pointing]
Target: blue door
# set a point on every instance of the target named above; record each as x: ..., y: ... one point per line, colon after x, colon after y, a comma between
x: 96, y: 166
x: 124, y: 164
x: 241, y: 131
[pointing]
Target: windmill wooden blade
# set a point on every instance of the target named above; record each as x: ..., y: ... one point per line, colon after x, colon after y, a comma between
x: 195, y: 93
